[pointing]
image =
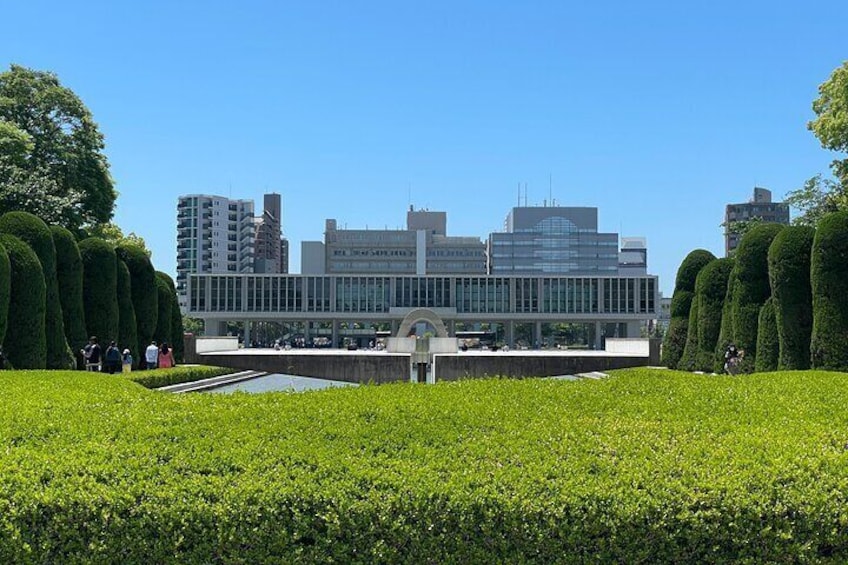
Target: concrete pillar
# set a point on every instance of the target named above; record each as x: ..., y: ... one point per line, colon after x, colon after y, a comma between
x: 510, y: 334
x: 537, y: 333
x: 634, y: 329
x: 211, y: 328
x: 395, y: 328
x: 247, y: 333
x: 452, y: 328
x: 597, y: 335
x: 335, y: 337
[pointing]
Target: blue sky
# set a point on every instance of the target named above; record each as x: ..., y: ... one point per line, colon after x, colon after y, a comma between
x: 658, y: 113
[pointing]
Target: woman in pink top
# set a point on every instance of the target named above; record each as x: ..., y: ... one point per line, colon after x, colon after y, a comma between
x: 166, y: 356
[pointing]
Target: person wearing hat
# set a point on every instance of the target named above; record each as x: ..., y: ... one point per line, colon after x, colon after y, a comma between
x: 126, y: 361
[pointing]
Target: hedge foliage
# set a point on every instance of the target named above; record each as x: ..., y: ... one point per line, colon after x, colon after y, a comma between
x: 33, y: 231
x: 710, y: 290
x: 751, y: 288
x: 100, y: 289
x: 163, y: 318
x: 645, y: 467
x: 768, y: 344
x: 5, y: 291
x: 725, y: 334
x: 177, y: 331
x: 829, y: 282
x: 25, y: 344
x: 156, y: 378
x: 687, y: 360
x: 789, y: 273
x: 144, y: 293
x: 127, y: 336
x: 69, y: 278
x: 684, y: 290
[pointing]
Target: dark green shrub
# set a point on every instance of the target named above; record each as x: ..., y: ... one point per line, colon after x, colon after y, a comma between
x: 710, y: 290
x: 127, y: 336
x: 163, y: 318
x: 687, y: 360
x: 69, y: 277
x: 25, y: 345
x: 5, y: 289
x: 684, y: 290
x: 34, y: 232
x: 725, y: 334
x: 177, y: 332
x: 829, y: 281
x: 100, y: 289
x: 751, y: 288
x: 145, y: 296
x: 789, y: 273
x: 768, y: 345
x: 175, y: 375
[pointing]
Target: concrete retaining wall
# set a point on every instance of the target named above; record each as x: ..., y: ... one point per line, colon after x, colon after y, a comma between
x: 468, y: 366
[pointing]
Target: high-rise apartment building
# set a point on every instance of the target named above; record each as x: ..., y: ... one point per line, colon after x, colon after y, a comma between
x: 553, y: 240
x: 422, y: 248
x: 271, y: 252
x: 214, y: 235
x: 760, y: 206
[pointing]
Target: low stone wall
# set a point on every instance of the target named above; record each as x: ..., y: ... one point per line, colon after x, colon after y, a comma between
x: 469, y: 366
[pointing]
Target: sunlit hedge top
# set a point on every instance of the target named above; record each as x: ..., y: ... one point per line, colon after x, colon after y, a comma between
x: 751, y: 267
x: 829, y: 281
x: 689, y: 269
x: 34, y: 232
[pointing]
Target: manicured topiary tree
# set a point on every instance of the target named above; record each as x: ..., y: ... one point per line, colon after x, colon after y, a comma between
x: 829, y: 282
x: 69, y: 278
x: 710, y: 290
x: 145, y: 297
x: 725, y: 334
x: 5, y: 289
x: 33, y: 231
x: 789, y: 273
x: 100, y: 289
x: 768, y: 346
x: 163, y: 323
x: 127, y: 336
x: 25, y: 344
x: 681, y: 301
x: 751, y: 288
x: 177, y: 332
x: 687, y: 360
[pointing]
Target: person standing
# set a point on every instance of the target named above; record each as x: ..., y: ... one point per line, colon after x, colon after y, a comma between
x: 92, y: 354
x: 126, y: 361
x: 112, y: 358
x: 166, y: 356
x: 151, y: 355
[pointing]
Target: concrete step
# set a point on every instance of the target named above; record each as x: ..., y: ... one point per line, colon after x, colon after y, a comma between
x: 212, y: 382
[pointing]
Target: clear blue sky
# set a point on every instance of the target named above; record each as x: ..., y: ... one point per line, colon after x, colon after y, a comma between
x: 658, y: 113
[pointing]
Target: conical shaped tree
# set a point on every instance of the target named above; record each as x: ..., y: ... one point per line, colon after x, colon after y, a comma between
x: 687, y: 360
x: 681, y: 302
x: 725, y: 335
x: 127, y: 336
x: 163, y: 323
x: 5, y: 290
x: 100, y: 288
x: 25, y: 345
x: 145, y: 297
x: 789, y: 273
x: 768, y: 346
x: 710, y: 290
x: 177, y: 333
x: 69, y: 277
x: 829, y: 279
x: 33, y: 231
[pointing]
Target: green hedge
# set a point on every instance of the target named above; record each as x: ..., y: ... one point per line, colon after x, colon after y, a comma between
x: 684, y: 290
x: 687, y: 360
x: 751, y: 288
x: 100, y: 289
x: 829, y: 281
x: 177, y: 331
x: 156, y: 378
x: 645, y: 467
x: 789, y: 273
x: 5, y: 291
x: 25, y: 344
x: 725, y: 334
x: 144, y: 294
x: 127, y: 336
x: 69, y: 277
x: 163, y: 318
x: 33, y: 231
x: 768, y: 344
x: 710, y: 290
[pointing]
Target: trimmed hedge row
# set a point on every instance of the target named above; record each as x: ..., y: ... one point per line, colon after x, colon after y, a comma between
x: 5, y: 291
x: 768, y: 344
x: 33, y: 231
x: 156, y: 378
x: 645, y: 467
x: 100, y: 289
x: 127, y: 328
x: 789, y: 274
x: 144, y: 292
x: 710, y: 290
x: 25, y: 344
x: 684, y: 289
x: 69, y: 279
x: 163, y: 317
x: 829, y: 281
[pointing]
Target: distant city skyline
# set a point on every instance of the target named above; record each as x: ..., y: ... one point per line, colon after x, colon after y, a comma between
x: 658, y: 114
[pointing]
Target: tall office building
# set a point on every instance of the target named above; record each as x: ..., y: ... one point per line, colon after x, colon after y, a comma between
x: 760, y: 206
x: 553, y: 240
x: 271, y: 254
x: 422, y: 248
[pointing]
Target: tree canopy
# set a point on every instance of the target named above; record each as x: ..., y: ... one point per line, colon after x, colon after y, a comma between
x: 51, y: 152
x: 831, y: 123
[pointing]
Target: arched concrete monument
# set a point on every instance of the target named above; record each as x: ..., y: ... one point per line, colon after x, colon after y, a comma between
x: 422, y: 315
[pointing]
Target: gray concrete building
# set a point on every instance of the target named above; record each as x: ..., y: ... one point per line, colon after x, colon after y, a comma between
x: 761, y: 206
x: 553, y: 240
x: 271, y: 250
x: 422, y: 248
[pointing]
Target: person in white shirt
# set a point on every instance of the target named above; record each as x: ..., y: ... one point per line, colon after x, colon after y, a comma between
x: 151, y: 355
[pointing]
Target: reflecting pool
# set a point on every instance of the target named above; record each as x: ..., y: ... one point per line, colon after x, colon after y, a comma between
x: 279, y: 382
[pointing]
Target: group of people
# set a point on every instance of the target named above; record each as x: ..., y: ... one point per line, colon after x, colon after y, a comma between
x: 732, y: 358
x: 113, y: 360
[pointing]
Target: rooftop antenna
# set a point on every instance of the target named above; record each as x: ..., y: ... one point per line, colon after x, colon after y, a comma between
x: 519, y: 195
x: 525, y: 194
